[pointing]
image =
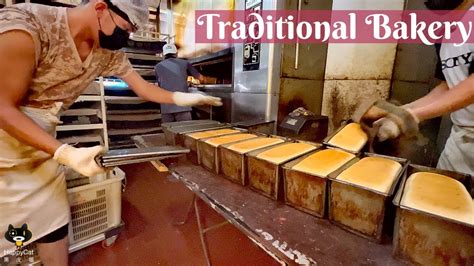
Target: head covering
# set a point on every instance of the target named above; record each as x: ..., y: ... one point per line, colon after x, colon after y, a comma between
x: 169, y: 49
x: 134, y: 11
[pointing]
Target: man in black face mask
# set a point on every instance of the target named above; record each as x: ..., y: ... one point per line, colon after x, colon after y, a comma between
x: 119, y: 37
x: 48, y: 56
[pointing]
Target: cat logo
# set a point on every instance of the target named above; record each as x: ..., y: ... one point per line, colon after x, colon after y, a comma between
x: 18, y: 235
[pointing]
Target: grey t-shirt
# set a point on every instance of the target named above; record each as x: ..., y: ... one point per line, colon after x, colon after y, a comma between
x: 172, y: 75
x: 455, y: 65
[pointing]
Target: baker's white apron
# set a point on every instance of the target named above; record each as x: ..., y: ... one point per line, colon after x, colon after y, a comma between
x: 32, y: 185
x: 458, y: 154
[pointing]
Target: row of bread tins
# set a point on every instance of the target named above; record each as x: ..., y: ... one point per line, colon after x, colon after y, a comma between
x: 434, y: 217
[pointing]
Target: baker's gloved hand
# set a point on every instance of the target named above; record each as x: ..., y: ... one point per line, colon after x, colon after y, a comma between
x: 193, y: 99
x: 81, y: 160
x: 396, y: 123
x: 387, y: 129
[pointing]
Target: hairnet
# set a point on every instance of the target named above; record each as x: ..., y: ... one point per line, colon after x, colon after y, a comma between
x: 136, y: 10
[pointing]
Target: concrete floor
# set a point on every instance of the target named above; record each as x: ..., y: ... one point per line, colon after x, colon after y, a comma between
x: 149, y: 204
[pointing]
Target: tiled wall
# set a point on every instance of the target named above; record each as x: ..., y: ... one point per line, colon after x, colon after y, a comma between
x: 355, y: 72
x: 400, y: 72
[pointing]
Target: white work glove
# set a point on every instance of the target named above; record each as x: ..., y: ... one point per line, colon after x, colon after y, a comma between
x: 81, y: 160
x: 193, y: 99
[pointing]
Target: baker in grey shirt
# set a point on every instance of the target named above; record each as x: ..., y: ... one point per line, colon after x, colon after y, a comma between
x: 172, y: 74
x: 454, y: 96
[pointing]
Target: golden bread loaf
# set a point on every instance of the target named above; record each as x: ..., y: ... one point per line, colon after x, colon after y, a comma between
x: 440, y: 195
x: 229, y: 139
x: 372, y: 172
x: 254, y: 144
x: 212, y: 133
x: 351, y: 138
x: 324, y: 162
x: 285, y: 152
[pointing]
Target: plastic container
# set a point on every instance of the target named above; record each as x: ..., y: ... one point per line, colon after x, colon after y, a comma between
x: 95, y: 207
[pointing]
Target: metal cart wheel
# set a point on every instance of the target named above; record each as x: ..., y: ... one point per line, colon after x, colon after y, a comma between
x: 109, y: 241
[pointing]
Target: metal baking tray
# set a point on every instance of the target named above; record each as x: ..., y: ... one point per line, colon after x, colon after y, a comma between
x: 173, y: 131
x: 233, y: 164
x: 266, y: 177
x: 361, y: 210
x: 428, y: 239
x: 169, y: 136
x: 209, y: 156
x: 138, y: 155
x: 330, y: 136
x: 304, y: 191
x: 188, y: 123
x: 257, y: 125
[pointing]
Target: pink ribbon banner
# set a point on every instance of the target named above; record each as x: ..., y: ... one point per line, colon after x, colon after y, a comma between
x: 326, y: 26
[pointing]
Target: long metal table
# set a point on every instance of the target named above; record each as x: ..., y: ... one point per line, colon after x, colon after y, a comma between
x: 288, y: 235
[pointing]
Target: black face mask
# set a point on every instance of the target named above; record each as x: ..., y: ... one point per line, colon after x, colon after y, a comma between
x: 116, y: 41
x: 443, y: 4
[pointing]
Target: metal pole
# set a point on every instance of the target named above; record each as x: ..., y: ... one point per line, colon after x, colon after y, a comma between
x: 201, y: 233
x: 103, y: 110
x: 297, y: 52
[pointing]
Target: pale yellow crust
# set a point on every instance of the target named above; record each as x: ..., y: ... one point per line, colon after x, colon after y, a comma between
x: 254, y: 144
x: 229, y: 139
x: 440, y: 195
x: 285, y: 152
x: 351, y: 138
x: 372, y: 172
x: 324, y: 162
x: 212, y: 133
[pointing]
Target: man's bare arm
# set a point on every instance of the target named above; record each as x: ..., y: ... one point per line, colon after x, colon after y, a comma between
x: 434, y: 94
x: 452, y: 100
x: 147, y: 90
x: 156, y: 94
x: 17, y: 65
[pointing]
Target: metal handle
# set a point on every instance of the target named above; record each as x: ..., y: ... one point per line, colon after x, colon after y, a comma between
x: 98, y: 160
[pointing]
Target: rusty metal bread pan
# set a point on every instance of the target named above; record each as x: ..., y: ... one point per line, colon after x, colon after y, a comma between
x: 233, y: 164
x: 209, y: 156
x: 173, y: 135
x: 178, y: 136
x: 170, y: 135
x: 364, y: 211
x: 191, y: 143
x: 265, y: 177
x: 330, y: 136
x: 428, y: 239
x: 304, y: 191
